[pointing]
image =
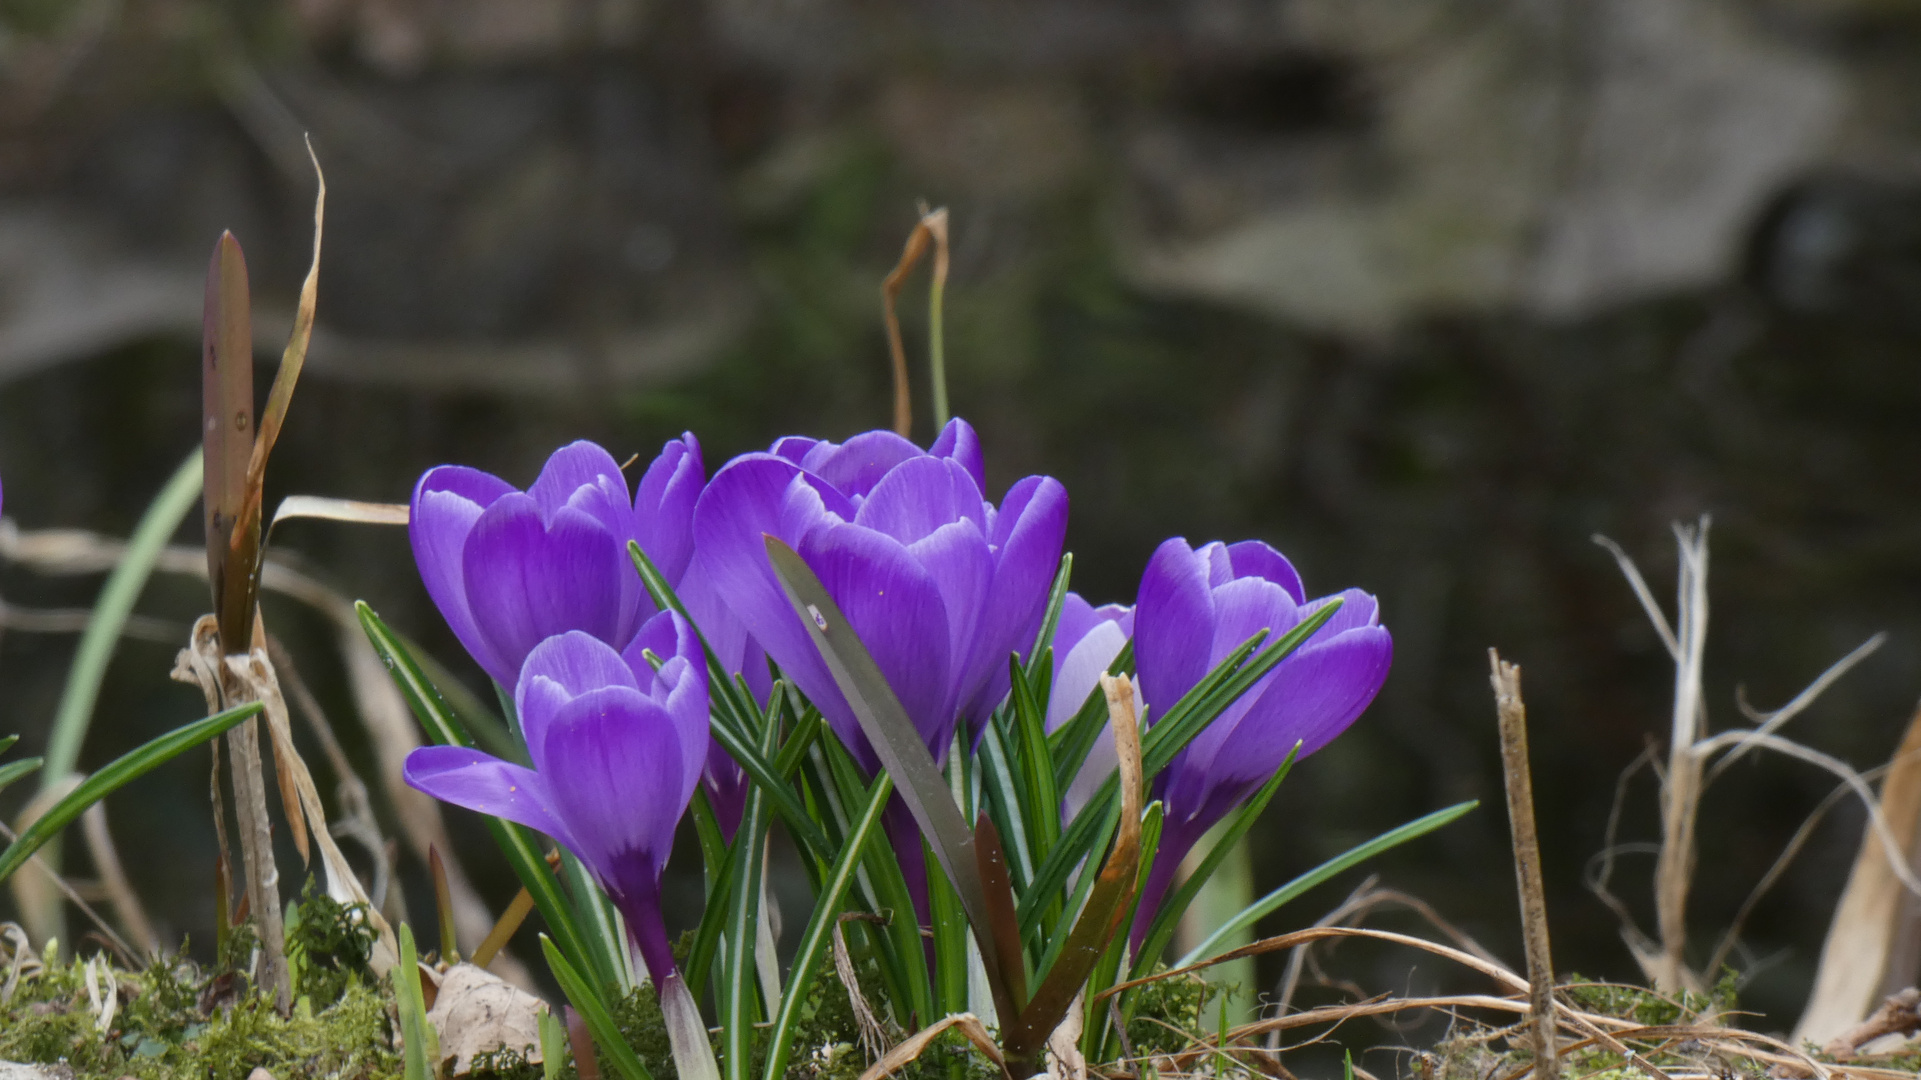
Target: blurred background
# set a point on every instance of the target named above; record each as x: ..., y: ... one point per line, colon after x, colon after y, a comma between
x: 1425, y: 295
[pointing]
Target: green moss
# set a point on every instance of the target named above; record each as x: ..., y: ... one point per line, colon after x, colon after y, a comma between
x: 160, y: 1031
x: 329, y: 945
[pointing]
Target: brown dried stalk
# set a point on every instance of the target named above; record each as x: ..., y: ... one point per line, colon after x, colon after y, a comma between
x: 1506, y: 678
x: 931, y: 228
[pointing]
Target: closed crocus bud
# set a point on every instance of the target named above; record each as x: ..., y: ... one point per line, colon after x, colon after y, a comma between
x: 509, y: 569
x: 617, y: 748
x: 1086, y: 641
x: 1197, y: 606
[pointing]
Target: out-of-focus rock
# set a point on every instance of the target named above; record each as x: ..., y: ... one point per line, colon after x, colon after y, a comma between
x: 1555, y: 158
x: 10, y: 1070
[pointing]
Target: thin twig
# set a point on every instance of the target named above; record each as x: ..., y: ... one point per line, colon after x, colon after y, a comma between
x: 113, y: 877
x: 1506, y: 679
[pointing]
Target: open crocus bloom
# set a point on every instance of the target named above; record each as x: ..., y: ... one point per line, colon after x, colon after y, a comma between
x: 1194, y: 608
x: 617, y: 748
x: 509, y: 569
x: 940, y: 584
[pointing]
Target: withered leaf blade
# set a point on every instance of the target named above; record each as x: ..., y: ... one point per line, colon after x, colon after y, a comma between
x: 227, y: 429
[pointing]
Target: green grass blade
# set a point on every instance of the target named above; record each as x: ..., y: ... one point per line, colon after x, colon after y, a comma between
x: 1051, y: 620
x: 599, y: 1021
x: 14, y: 770
x: 820, y: 927
x: 1004, y: 801
x: 157, y: 525
x: 726, y: 692
x: 411, y: 1004
x: 1260, y: 908
x: 600, y: 925
x: 123, y: 770
x: 1161, y: 930
x: 737, y: 1012
x: 519, y: 844
x: 1042, y: 800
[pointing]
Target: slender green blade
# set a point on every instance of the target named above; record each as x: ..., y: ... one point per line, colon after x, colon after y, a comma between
x: 770, y: 780
x: 601, y: 927
x: 411, y: 1004
x: 122, y: 771
x: 518, y: 843
x: 599, y: 1021
x: 1259, y: 909
x: 14, y: 770
x: 737, y: 1013
x: 1161, y: 930
x: 820, y: 927
x: 1004, y: 800
x: 1041, y: 805
x: 109, y: 617
x: 1051, y: 620
x: 898, y: 745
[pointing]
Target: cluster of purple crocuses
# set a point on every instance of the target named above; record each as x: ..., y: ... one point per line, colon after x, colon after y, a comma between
x: 940, y: 584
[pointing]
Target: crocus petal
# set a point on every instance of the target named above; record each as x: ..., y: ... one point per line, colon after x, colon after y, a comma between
x: 794, y: 448
x: 614, y: 774
x: 664, y: 506
x: 894, y: 605
x: 1245, y: 607
x: 1027, y: 534
x: 1358, y: 609
x: 446, y: 503
x: 751, y: 497
x: 958, y: 442
x: 1079, y: 673
x: 1173, y: 625
x: 1251, y: 558
x: 919, y: 496
x: 527, y: 581
x: 559, y: 669
x: 583, y: 465
x: 480, y: 782
x: 855, y: 466
x: 680, y: 685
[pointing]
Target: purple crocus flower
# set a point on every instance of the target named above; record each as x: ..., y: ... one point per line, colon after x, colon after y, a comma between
x: 939, y: 583
x: 509, y: 569
x: 1194, y: 608
x: 617, y: 747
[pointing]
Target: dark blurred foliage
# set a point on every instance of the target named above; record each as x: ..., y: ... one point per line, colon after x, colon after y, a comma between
x: 671, y: 232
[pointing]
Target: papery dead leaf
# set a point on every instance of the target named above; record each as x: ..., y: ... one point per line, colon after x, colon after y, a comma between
x: 477, y: 1011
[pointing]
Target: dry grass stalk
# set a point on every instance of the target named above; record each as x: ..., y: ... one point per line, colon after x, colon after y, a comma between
x: 389, y: 723
x: 1506, y: 679
x: 201, y: 663
x: 911, y: 1047
x: 930, y: 229
x: 113, y: 877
